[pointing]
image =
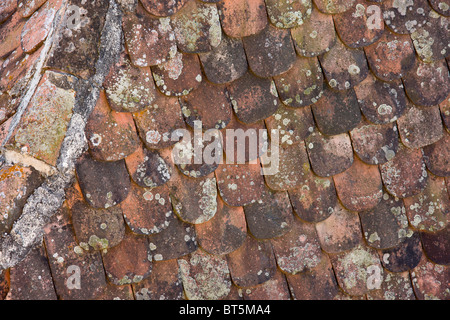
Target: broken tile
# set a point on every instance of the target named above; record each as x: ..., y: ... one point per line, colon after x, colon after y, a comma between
x: 288, y: 14
x: 405, y: 16
x: 242, y: 18
x: 273, y: 289
x: 404, y: 256
x: 339, y: 232
x: 385, y: 225
x: 430, y: 281
x: 437, y: 157
x: 441, y: 6
x: 437, y: 245
x: 163, y: 8
x: 270, y: 52
x: 405, y: 175
x: 302, y: 85
x: 197, y: 27
x: 7, y: 8
x: 394, y: 286
x: 334, y: 6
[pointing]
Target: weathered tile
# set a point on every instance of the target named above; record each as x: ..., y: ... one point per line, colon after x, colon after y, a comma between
x: 129, y: 262
x: 337, y: 112
x: 375, y: 144
x: 428, y: 210
x: 224, y: 233
x: 430, y: 281
x: 17, y: 183
x: 329, y: 155
x: 316, y: 36
x: 343, y: 67
x: 7, y: 8
x: 445, y: 112
x: 441, y: 6
x: 395, y: 48
x: 420, y: 127
x: 164, y: 283
x: 358, y: 271
x: 179, y: 75
x: 147, y: 211
x: 405, y: 175
x: 334, y: 6
x: 271, y: 216
x: 394, y: 286
x: 437, y: 245
x: 252, y: 264
x: 302, y: 85
x: 197, y: 27
x: 381, y: 102
x: 253, y: 98
x: 31, y: 278
x: 225, y: 63
x: 359, y: 187
x: 437, y: 156
x: 270, y: 52
x: 288, y: 14
x: 27, y: 7
x: 113, y: 292
x: 163, y: 8
x: 273, y: 289
x: 404, y: 256
x: 104, y: 184
x: 385, y: 225
x: 339, y: 232
x: 10, y: 32
x: 405, y: 17
x: 242, y: 18
x: 205, y: 276
x: 4, y: 284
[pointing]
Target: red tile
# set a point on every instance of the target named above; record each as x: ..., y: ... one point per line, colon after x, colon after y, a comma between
x: 4, y: 284
x: 394, y: 286
x: 10, y: 32
x: 437, y: 245
x: 163, y: 8
x: 28, y: 7
x: 242, y: 18
x: 288, y: 14
x: 406, y: 17
x: 334, y: 6
x: 273, y: 289
x: 7, y: 8
x: 339, y: 232
x: 112, y: 292
x: 445, y: 112
x: 404, y: 256
x: 431, y: 280
x: 437, y: 157
x: 441, y: 6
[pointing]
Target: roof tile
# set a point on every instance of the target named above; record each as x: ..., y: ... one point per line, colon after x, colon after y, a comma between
x: 10, y: 32
x: 28, y: 7
x: 404, y: 256
x: 334, y: 6
x: 441, y: 6
x: 437, y: 156
x: 270, y: 52
x: 437, y: 245
x: 4, y: 284
x: 405, y: 18
x: 7, y: 8
x: 112, y: 292
x: 394, y: 286
x: 430, y: 280
x: 162, y: 7
x: 445, y: 112
x: 273, y: 289
x: 288, y: 14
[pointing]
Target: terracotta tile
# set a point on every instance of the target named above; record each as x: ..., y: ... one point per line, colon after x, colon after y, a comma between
x: 270, y: 52
x: 28, y: 7
x: 395, y: 48
x: 292, y: 170
x: 240, y: 184
x: 405, y: 175
x: 302, y: 85
x: 334, y: 6
x: 359, y: 187
x: 358, y: 271
x: 253, y: 98
x: 179, y: 75
x: 158, y: 123
x: 43, y: 125
x: 339, y: 232
x: 163, y: 8
x: 404, y: 256
x: 329, y: 155
x: 437, y: 245
x: 381, y: 102
x: 197, y: 27
x: 428, y: 210
x: 395, y: 286
x: 10, y: 32
x: 150, y: 41
x: 337, y: 112
x: 77, y: 52
x: 205, y: 276
x: 77, y: 274
x: 294, y: 125
x: 147, y: 211
x: 129, y: 262
x: 31, y: 278
x: 7, y: 8
x: 4, y: 284
x: 318, y: 283
x: 420, y: 127
x: 224, y: 233
x: 298, y: 250
x: 271, y: 216
x: 445, y: 112
x: 129, y: 88
x: 437, y: 156
x: 405, y: 18
x: 441, y: 6
x: 17, y: 183
x: 194, y: 200
x: 112, y: 292
x: 288, y: 14
x: 274, y: 289
x: 111, y: 135
x: 208, y: 104
x: 427, y: 84
x: 177, y: 240
x: 252, y: 264
x: 357, y: 27
x: 431, y: 281
x: 226, y: 62
x: 343, y: 67
x: 242, y: 18
x: 375, y: 144
x: 164, y: 283
x: 104, y: 184
x: 315, y: 200
x: 385, y: 225
x: 316, y: 36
